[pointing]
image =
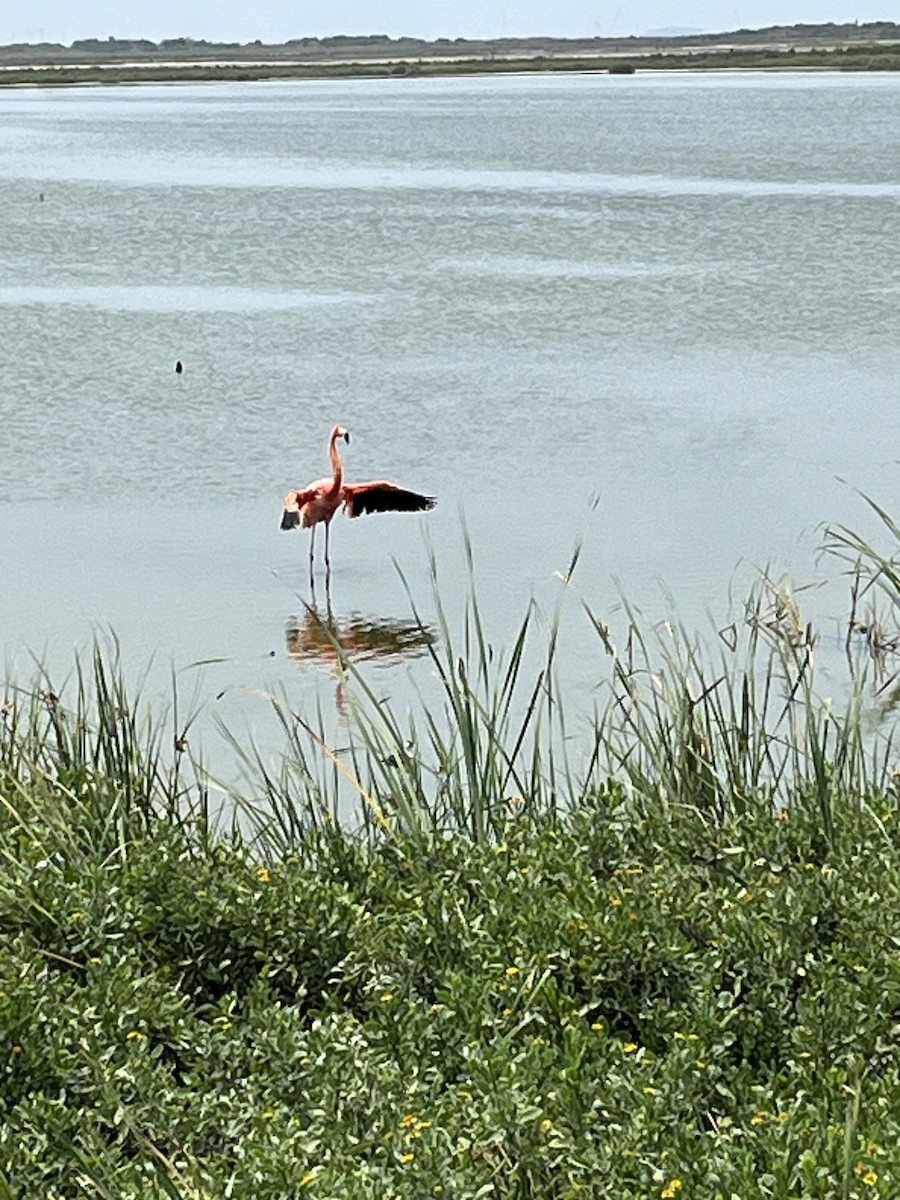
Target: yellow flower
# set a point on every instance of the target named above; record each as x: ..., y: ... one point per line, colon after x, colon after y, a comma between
x: 407, y: 1158
x: 513, y: 970
x: 262, y: 874
x: 308, y: 1178
x: 870, y: 1178
x: 546, y: 1125
x: 630, y: 1047
x: 17, y: 1049
x: 597, y: 1027
x: 672, y: 1188
x: 408, y: 1119
x: 267, y: 1114
x: 387, y: 997
x: 758, y: 1118
x: 136, y: 1036
x: 651, y: 1091
x: 616, y: 901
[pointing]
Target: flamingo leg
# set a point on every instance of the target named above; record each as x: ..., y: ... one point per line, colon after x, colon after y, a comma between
x: 328, y: 609
x: 312, y: 545
x: 328, y: 551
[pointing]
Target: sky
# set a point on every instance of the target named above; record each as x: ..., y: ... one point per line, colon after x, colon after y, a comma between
x: 280, y: 20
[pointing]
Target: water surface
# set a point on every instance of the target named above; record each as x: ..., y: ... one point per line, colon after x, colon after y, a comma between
x: 658, y: 312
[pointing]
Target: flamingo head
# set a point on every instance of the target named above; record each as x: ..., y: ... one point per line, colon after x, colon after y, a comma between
x: 340, y: 432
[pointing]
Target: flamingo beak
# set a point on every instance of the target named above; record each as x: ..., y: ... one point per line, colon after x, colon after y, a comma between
x: 347, y: 437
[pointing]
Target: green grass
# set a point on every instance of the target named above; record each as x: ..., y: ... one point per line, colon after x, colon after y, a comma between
x: 670, y: 970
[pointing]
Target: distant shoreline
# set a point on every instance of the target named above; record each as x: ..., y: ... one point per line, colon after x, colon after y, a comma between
x: 871, y: 46
x: 847, y: 58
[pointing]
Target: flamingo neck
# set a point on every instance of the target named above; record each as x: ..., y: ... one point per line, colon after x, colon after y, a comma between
x: 336, y: 465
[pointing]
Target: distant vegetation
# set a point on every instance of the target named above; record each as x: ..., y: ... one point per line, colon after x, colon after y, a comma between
x: 862, y: 58
x: 871, y: 46
x: 381, y: 46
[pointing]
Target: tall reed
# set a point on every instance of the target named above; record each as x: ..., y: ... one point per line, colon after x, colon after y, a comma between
x: 712, y: 725
x: 83, y: 761
x: 718, y: 729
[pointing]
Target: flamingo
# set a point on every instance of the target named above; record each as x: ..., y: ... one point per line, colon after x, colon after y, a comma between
x: 319, y: 501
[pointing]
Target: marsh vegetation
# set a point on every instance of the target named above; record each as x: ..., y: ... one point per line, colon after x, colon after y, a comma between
x: 445, y: 957
x: 876, y: 57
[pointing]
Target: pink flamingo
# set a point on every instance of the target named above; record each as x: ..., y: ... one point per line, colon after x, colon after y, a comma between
x: 319, y: 501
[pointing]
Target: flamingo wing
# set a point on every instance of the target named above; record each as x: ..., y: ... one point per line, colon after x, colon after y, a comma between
x: 293, y: 504
x: 381, y: 496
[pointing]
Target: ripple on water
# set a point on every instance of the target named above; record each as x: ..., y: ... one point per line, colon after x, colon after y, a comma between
x: 125, y: 298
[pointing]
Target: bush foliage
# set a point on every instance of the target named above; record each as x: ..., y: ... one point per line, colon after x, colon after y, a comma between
x: 591, y: 1005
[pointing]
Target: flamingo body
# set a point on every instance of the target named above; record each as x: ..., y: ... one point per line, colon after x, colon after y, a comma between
x: 318, y: 502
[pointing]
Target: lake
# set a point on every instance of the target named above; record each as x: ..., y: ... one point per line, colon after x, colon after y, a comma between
x: 658, y: 313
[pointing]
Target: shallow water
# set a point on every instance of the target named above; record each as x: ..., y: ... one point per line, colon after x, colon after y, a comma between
x: 658, y: 312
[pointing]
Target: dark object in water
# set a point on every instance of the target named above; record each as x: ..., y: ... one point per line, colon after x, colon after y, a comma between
x: 178, y: 367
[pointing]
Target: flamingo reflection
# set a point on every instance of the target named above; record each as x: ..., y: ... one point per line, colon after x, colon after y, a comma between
x: 321, y: 637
